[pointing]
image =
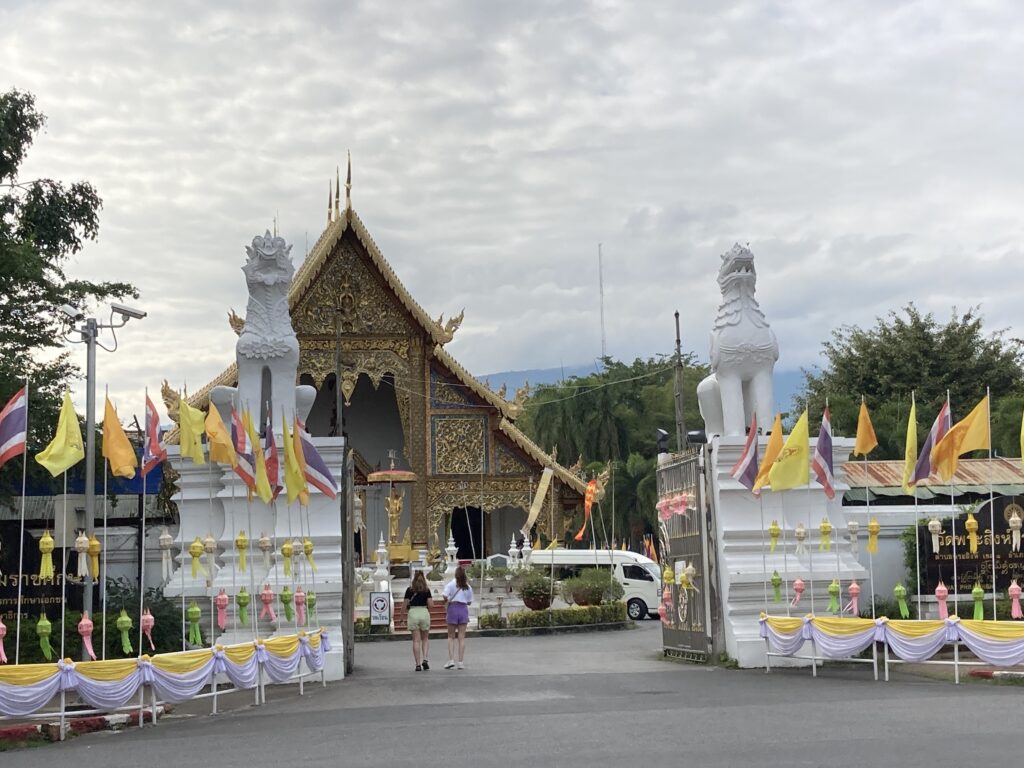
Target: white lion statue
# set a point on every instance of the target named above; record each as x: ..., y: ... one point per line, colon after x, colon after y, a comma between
x: 743, y: 353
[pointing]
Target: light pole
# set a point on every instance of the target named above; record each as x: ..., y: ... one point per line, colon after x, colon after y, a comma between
x: 89, y: 331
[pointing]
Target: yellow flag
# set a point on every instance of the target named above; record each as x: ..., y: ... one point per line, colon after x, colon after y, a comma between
x: 294, y: 477
x: 910, y: 451
x: 219, y: 438
x: 191, y: 423
x: 771, y: 453
x: 792, y: 468
x: 263, y: 489
x: 300, y: 456
x: 116, y: 448
x: 66, y: 449
x: 866, y: 440
x: 970, y: 434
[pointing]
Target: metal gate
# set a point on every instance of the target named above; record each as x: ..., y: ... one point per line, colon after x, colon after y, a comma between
x: 682, y: 524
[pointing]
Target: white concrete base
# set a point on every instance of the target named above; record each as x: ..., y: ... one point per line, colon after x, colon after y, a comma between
x: 744, y: 564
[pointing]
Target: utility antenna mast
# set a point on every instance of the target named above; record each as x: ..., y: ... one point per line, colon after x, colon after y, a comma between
x: 600, y: 287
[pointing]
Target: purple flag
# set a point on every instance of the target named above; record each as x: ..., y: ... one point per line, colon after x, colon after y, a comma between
x: 822, y: 461
x: 923, y: 468
x: 13, y: 427
x: 745, y: 470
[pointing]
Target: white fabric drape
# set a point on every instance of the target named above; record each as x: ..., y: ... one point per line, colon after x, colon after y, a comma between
x: 177, y: 676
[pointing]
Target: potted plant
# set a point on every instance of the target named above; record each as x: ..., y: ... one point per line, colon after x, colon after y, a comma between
x: 535, y: 590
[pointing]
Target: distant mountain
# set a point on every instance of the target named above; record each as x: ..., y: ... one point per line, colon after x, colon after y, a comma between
x: 787, y: 383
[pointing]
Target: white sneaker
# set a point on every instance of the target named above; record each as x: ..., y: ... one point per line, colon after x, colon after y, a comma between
x: 459, y: 665
x: 449, y: 664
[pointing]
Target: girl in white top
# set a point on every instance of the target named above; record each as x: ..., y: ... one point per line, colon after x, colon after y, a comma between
x: 458, y: 596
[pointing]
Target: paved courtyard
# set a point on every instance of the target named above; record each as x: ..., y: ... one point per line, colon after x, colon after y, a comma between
x: 576, y: 700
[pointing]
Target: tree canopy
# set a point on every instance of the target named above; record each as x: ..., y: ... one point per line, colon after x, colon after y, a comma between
x: 43, y: 223
x: 612, y: 415
x: 907, y: 351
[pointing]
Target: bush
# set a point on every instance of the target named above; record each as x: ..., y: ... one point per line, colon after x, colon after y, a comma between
x: 593, y: 586
x: 492, y: 621
x: 534, y: 587
x: 363, y: 627
x: 611, y: 613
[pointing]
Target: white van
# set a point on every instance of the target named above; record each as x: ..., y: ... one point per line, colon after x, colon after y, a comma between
x: 639, y: 576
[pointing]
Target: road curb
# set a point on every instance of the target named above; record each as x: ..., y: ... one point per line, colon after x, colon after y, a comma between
x: 996, y: 674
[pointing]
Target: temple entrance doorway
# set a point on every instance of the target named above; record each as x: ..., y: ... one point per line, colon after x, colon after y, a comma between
x: 468, y: 531
x: 372, y: 426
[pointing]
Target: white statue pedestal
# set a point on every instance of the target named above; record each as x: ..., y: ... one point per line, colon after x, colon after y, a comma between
x: 743, y: 560
x: 229, y: 512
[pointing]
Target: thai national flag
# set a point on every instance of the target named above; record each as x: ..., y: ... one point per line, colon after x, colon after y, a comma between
x: 317, y: 473
x: 270, y: 457
x: 822, y: 461
x: 923, y: 469
x: 745, y: 470
x: 13, y: 427
x: 246, y: 466
x: 153, y: 452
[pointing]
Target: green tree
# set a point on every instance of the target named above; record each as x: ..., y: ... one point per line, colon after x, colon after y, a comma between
x: 43, y: 223
x: 908, y: 351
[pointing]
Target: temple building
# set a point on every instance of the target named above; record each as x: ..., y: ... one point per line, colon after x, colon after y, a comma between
x: 407, y: 404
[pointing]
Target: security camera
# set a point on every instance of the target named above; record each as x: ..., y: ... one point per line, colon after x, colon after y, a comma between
x: 127, y: 312
x: 72, y: 313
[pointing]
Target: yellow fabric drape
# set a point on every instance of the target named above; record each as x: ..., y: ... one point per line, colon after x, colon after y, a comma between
x: 995, y: 630
x: 837, y: 627
x: 184, y: 661
x: 26, y: 674
x: 109, y: 670
x: 785, y: 625
x: 282, y: 646
x: 911, y: 628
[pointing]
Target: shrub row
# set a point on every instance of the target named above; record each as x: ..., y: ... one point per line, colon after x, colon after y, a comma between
x: 567, y: 617
x: 363, y: 627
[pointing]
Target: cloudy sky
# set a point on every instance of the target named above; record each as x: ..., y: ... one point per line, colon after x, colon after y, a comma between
x: 868, y: 152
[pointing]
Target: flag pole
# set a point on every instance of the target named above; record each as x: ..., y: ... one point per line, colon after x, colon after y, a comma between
x: 103, y: 584
x: 234, y: 568
x: 991, y: 499
x: 952, y: 515
x: 21, y: 537
x: 810, y: 549
x: 785, y: 551
x: 764, y: 555
x: 213, y: 555
x: 142, y: 530
x: 63, y: 564
x: 181, y: 532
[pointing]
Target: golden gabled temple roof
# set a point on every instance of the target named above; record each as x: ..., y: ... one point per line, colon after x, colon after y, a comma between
x: 536, y: 453
x: 470, y: 382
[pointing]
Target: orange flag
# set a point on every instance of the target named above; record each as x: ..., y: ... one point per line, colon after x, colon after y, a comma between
x: 588, y: 501
x: 866, y: 441
x: 970, y: 434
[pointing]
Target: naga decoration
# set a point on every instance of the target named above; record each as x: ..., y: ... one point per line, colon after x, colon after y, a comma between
x: 941, y: 594
x: 825, y: 529
x: 85, y: 627
x: 46, y: 556
x: 972, y: 533
x: 242, y: 545
x: 935, y: 529
x: 774, y: 531
x: 124, y: 626
x: 900, y: 593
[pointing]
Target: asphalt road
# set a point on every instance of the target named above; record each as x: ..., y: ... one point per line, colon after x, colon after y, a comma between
x: 577, y: 700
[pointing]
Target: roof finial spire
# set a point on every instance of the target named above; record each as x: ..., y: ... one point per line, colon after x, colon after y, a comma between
x: 348, y: 184
x: 329, y: 201
x: 337, y: 190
